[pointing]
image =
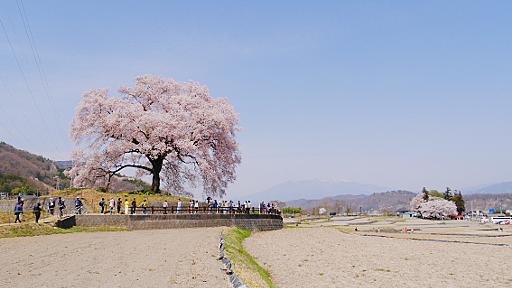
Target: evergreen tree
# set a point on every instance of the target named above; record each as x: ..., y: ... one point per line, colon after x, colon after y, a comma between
x: 448, y: 194
x: 425, y: 194
x: 459, y: 202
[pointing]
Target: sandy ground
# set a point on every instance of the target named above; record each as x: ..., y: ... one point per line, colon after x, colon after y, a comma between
x: 154, y: 258
x: 326, y: 257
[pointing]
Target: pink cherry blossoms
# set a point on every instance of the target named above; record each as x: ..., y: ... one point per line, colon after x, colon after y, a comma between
x: 173, y: 131
x: 433, y: 208
x: 438, y: 209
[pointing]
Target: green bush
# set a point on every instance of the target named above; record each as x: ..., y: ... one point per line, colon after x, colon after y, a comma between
x: 10, y: 182
x: 23, y: 189
x: 291, y: 210
x: 436, y: 193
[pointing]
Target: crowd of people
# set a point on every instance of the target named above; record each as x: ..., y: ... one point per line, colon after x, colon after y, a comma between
x: 238, y: 207
x: 192, y: 206
x: 37, y: 209
x: 113, y: 206
x: 118, y: 206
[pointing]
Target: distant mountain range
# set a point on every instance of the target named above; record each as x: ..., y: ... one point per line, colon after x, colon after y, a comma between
x: 395, y: 201
x: 487, y: 201
x: 384, y: 201
x: 314, y: 189
x: 309, y: 194
x: 317, y: 189
x: 497, y: 188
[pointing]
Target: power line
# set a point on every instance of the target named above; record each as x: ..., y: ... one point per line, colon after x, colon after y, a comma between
x: 23, y: 75
x: 35, y: 52
x: 37, y: 58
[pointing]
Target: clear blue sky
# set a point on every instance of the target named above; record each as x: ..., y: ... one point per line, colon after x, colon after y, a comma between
x: 402, y: 94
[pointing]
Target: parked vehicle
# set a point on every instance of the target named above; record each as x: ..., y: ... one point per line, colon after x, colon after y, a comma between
x: 503, y: 220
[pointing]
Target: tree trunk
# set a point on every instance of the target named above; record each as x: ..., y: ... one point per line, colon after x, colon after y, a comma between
x: 157, y: 168
x: 155, y: 185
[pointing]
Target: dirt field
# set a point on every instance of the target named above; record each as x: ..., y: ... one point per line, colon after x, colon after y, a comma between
x: 327, y: 257
x: 155, y: 258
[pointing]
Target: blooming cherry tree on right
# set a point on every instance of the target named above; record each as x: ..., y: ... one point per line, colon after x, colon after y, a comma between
x: 433, y: 207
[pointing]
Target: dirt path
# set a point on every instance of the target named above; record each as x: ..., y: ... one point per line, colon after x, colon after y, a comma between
x: 153, y: 258
x: 325, y: 257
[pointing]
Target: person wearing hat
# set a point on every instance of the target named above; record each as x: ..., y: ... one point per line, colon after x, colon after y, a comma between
x: 78, y: 205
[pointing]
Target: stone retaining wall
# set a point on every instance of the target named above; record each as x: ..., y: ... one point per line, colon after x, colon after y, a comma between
x: 170, y: 221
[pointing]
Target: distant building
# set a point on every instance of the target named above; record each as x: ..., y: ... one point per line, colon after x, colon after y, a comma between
x: 407, y: 214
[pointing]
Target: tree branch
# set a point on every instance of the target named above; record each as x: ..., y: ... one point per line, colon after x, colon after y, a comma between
x: 131, y: 166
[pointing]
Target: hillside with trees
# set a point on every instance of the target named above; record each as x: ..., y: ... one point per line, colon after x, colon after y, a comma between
x: 27, y: 171
x: 22, y: 171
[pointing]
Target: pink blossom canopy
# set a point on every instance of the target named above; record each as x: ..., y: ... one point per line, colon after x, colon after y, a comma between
x: 171, y: 130
x: 434, y: 208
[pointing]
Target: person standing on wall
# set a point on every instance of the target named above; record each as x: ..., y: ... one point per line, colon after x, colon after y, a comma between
x: 144, y: 206
x: 191, y: 205
x: 119, y: 205
x: 180, y: 204
x: 165, y: 205
x: 126, y: 206
x: 134, y: 206
x: 196, y: 206
x: 112, y: 205
x: 102, y: 205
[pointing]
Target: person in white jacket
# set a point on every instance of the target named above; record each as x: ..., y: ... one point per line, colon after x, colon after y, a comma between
x: 196, y: 206
x: 112, y: 205
x: 180, y: 205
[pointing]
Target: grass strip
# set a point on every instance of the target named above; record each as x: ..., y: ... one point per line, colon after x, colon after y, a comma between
x: 32, y: 229
x: 245, y: 266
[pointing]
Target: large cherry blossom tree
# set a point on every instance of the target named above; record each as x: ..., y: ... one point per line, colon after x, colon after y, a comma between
x: 417, y: 201
x: 438, y: 209
x: 174, y: 131
x: 434, y: 207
